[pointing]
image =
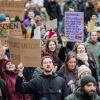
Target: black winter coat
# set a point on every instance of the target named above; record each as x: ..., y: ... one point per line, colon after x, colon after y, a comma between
x: 3, y: 90
x: 53, y: 10
x: 51, y: 87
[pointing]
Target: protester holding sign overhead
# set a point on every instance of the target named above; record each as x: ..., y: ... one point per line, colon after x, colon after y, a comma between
x: 8, y: 72
x: 48, y: 85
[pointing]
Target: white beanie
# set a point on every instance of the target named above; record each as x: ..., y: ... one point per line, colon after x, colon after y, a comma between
x: 83, y: 68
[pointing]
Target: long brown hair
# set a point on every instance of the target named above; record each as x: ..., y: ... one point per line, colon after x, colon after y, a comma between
x: 47, y: 50
x: 90, y: 59
x: 68, y: 57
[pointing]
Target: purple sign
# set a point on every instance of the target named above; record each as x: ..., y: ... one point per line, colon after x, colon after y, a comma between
x: 74, y: 26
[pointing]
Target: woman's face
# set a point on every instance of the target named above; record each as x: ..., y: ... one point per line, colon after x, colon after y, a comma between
x: 71, y: 63
x: 10, y: 67
x: 52, y: 46
x: 81, y: 49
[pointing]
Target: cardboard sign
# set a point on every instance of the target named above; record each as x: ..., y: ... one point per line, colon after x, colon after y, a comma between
x: 13, y: 28
x: 4, y: 41
x: 51, y: 24
x: 91, y: 26
x: 27, y: 51
x: 12, y: 8
x: 74, y: 26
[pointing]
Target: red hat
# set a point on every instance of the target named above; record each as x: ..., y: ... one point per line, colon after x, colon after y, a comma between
x: 51, y: 33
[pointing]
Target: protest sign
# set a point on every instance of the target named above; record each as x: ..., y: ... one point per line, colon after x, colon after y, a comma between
x: 74, y: 26
x: 91, y: 26
x: 13, y: 28
x: 27, y: 51
x: 12, y: 8
x: 4, y: 41
x: 51, y: 24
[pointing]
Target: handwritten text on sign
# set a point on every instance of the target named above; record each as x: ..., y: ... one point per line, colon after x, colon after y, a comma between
x: 74, y: 26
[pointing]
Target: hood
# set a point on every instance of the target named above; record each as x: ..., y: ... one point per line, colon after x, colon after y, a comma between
x: 49, y: 76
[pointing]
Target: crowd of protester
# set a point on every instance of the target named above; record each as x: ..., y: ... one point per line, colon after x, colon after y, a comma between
x: 67, y: 68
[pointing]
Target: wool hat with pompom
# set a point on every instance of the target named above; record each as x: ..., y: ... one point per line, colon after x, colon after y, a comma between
x: 82, y: 69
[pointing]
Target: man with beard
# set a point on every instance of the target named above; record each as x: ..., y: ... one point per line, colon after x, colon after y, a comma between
x: 87, y: 91
x: 48, y: 86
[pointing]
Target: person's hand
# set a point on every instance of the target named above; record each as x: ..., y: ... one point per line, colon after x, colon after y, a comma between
x: 70, y: 82
x: 20, y: 69
x: 82, y: 56
x: 55, y: 69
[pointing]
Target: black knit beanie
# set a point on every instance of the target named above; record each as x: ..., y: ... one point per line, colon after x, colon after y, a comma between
x: 86, y: 80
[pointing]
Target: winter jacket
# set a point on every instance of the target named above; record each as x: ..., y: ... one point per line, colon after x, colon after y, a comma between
x: 53, y: 10
x: 94, y: 50
x: 12, y: 94
x: 3, y: 92
x: 63, y: 51
x: 51, y: 87
x: 28, y: 73
x: 78, y: 95
x: 10, y: 79
x: 37, y: 72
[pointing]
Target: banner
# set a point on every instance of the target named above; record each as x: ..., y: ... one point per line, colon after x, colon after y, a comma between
x: 74, y: 26
x: 13, y: 28
x: 27, y: 51
x: 12, y: 8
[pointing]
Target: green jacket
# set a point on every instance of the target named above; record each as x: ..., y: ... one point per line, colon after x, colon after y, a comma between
x: 94, y: 50
x: 78, y: 95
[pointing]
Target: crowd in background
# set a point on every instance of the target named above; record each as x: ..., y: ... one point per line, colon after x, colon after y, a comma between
x: 72, y: 60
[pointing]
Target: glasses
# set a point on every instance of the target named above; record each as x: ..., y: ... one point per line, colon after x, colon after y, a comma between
x: 47, y: 62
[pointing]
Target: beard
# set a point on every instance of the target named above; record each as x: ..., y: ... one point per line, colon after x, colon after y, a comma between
x: 89, y: 94
x: 48, y: 70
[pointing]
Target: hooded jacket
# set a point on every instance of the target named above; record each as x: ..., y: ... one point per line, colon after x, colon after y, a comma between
x: 10, y: 79
x: 94, y: 50
x: 51, y: 87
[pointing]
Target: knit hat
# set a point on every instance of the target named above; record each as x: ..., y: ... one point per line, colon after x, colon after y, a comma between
x: 85, y: 80
x: 83, y: 68
x: 51, y: 33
